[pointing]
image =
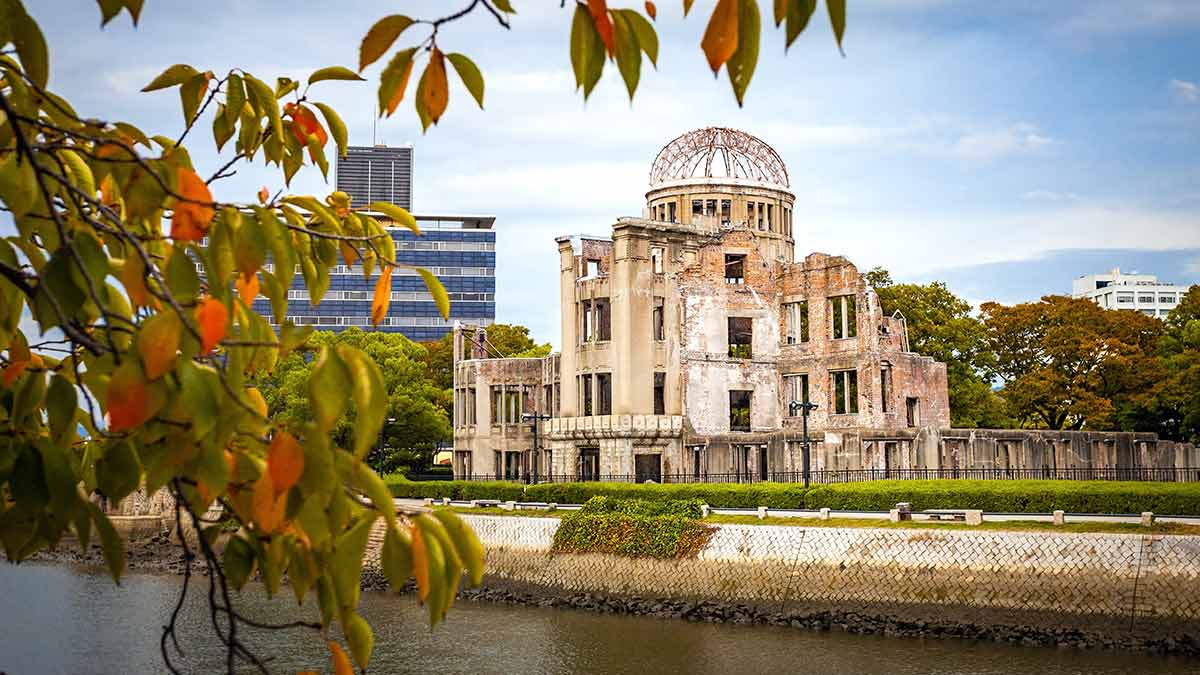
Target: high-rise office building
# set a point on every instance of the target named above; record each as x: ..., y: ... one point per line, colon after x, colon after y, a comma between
x: 376, y: 174
x: 459, y: 250
x: 1138, y: 292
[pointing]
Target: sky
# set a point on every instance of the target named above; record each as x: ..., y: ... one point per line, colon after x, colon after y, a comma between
x: 1002, y: 147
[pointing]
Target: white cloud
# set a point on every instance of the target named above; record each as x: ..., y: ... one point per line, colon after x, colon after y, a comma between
x: 1050, y: 196
x: 992, y: 144
x: 1114, y: 17
x: 1187, y: 91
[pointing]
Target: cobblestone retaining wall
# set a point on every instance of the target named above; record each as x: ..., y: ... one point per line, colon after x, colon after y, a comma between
x: 1146, y: 585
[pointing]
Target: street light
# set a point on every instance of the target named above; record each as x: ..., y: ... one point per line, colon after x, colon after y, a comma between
x: 805, y: 407
x: 533, y: 461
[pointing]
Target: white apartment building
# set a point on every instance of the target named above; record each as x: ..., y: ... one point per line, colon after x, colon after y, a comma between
x: 1136, y: 292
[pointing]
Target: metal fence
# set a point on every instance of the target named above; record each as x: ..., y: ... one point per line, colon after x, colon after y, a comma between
x: 827, y: 477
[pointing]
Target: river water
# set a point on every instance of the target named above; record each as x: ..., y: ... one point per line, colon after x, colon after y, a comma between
x: 62, y: 619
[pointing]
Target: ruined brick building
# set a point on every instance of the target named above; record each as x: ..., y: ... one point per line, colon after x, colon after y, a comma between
x: 692, y: 335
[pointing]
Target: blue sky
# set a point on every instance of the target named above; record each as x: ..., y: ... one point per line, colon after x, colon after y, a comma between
x: 1004, y: 147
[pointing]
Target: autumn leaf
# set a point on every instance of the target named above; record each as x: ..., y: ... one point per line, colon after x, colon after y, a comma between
x: 433, y: 91
x: 721, y: 36
x: 383, y: 296
x: 599, y: 11
x: 285, y: 461
x: 128, y: 402
x: 247, y: 288
x: 394, y: 80
x: 341, y: 662
x: 651, y: 10
x: 133, y: 278
x: 267, y: 505
x: 420, y: 563
x: 304, y: 125
x: 158, y: 344
x: 194, y: 213
x: 263, y: 195
x: 19, y: 357
x: 211, y: 315
x: 380, y: 38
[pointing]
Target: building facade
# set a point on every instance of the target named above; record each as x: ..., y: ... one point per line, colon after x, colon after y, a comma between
x: 691, y: 338
x: 376, y: 174
x: 1135, y: 292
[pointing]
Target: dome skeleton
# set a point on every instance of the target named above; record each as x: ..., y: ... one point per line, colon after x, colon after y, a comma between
x: 743, y: 157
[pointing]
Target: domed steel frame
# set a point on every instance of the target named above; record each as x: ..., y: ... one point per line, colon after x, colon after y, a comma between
x: 743, y: 156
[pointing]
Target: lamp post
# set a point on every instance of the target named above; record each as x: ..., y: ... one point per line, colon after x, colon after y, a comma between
x: 805, y: 407
x: 533, y: 460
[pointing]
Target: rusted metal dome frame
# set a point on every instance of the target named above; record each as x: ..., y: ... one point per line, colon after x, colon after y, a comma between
x: 743, y: 156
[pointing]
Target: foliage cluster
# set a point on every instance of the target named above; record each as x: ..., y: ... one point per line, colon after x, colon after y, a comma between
x: 1004, y: 496
x: 629, y: 528
x: 459, y: 490
x: 1064, y: 363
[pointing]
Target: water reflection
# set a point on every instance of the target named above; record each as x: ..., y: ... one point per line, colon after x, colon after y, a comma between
x: 56, y: 619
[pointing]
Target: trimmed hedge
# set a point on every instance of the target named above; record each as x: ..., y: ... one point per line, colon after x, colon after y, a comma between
x: 1026, y: 496
x: 631, y: 531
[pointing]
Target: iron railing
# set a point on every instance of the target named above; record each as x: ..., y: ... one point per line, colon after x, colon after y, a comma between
x: 825, y: 477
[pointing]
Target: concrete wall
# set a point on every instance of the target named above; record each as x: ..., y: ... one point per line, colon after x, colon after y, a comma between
x: 1118, y: 583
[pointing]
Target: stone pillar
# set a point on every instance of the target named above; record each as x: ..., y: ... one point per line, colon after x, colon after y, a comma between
x: 569, y: 329
x: 631, y: 293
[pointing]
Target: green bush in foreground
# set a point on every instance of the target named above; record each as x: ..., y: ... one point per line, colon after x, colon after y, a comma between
x: 1025, y: 496
x: 629, y: 529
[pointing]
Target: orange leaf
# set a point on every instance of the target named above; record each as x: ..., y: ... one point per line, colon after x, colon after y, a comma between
x: 599, y: 10
x: 248, y: 288
x: 191, y: 219
x: 349, y: 254
x: 399, y: 95
x: 285, y: 461
x: 651, y: 10
x: 133, y: 278
x: 420, y: 563
x: 211, y: 315
x: 157, y: 343
x: 257, y: 401
x: 305, y: 124
x: 721, y: 37
x: 383, y: 296
x: 341, y: 662
x: 263, y: 194
x: 267, y: 506
x: 128, y: 401
x: 18, y: 358
x: 433, y: 90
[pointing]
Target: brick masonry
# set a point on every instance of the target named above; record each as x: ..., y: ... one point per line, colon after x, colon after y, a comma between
x: 1124, y: 585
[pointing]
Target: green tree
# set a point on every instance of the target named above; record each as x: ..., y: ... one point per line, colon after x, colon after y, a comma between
x: 1175, y: 408
x: 1069, y: 364
x: 941, y: 326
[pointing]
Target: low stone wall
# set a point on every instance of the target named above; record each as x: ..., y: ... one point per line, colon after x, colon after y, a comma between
x: 1123, y: 585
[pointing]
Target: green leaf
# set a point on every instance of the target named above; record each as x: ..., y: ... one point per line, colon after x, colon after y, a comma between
x: 469, y: 73
x: 359, y: 637
x: 647, y: 39
x: 337, y: 128
x: 182, y: 279
x: 201, y: 393
x: 81, y: 173
x: 291, y: 337
x: 334, y: 73
x: 173, y: 76
x: 301, y: 574
x: 61, y: 404
x: 317, y: 153
x: 629, y: 55
x: 370, y: 397
x: 60, y: 480
x: 285, y: 86
x: 741, y: 64
x: 250, y: 248
x: 191, y: 95
x: 347, y: 562
x: 436, y: 290
x: 235, y: 98
x: 394, y: 80
x: 316, y: 208
x: 57, y: 283
x: 837, y: 19
x: 504, y: 6
x: 466, y: 543
x: 380, y: 38
x: 587, y: 51
x: 19, y: 28
x: 397, y: 215
x: 222, y: 129
x: 369, y: 483
x: 263, y: 99
x: 328, y: 388
x: 118, y: 472
x: 110, y: 542
x: 396, y: 558
x: 18, y: 185
x: 238, y: 561
x: 28, y: 398
x: 798, y: 14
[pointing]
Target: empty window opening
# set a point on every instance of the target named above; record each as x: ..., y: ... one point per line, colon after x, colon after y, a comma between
x: 796, y: 319
x: 697, y: 207
x: 660, y: 393
x: 512, y: 406
x: 657, y: 319
x: 601, y: 308
x: 762, y: 463
x: 885, y: 388
x: 749, y: 214
x: 604, y: 393
x: 497, y: 404
x: 760, y: 214
x: 587, y: 322
x: 845, y: 391
x: 735, y: 268
x: 710, y: 207
x: 697, y: 462
x: 726, y: 211
x: 593, y: 267
x: 741, y: 337
x: 498, y: 462
x: 912, y: 411
x: 585, y: 391
x: 671, y: 212
x: 739, y: 410
x: 589, y: 464
x: 795, y: 387
x: 844, y: 317
x: 512, y: 465
x: 656, y: 259
x: 771, y: 217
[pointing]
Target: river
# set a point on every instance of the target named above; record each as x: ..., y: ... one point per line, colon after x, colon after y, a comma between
x: 63, y: 619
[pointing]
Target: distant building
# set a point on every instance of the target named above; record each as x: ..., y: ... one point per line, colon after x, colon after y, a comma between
x: 1137, y: 292
x: 376, y: 174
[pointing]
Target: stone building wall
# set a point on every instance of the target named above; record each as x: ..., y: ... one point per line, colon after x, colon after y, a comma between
x: 1121, y: 584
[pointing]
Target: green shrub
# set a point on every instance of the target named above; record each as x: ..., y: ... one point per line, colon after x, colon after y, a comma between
x: 638, y: 536
x: 688, y: 508
x: 730, y: 495
x: 1032, y: 496
x: 454, y: 489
